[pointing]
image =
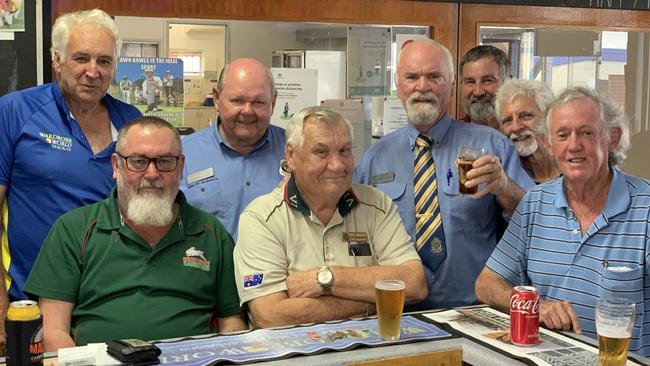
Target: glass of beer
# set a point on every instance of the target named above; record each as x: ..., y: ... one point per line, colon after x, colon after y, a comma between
x: 466, y: 157
x: 614, y: 320
x: 389, y: 300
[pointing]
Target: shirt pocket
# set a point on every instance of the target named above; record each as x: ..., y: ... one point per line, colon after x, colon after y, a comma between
x: 624, y: 281
x: 209, y: 195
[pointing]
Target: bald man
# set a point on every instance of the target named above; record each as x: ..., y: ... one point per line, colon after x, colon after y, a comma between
x: 237, y: 158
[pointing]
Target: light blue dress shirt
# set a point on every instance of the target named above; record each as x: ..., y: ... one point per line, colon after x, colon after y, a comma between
x: 220, y: 180
x: 470, y: 225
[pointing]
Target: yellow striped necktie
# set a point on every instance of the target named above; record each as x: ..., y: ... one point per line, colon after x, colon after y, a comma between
x: 430, y: 237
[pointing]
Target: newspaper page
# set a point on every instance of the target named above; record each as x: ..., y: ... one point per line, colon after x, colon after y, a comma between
x: 493, y: 328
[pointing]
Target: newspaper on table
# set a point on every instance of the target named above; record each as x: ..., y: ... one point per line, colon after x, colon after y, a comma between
x: 492, y: 327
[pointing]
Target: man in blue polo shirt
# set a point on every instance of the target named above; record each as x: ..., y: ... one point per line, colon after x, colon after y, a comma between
x: 584, y: 235
x: 56, y: 141
x: 425, y: 83
x: 237, y: 158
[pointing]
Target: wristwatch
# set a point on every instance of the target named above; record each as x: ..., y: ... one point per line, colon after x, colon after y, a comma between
x: 325, y: 279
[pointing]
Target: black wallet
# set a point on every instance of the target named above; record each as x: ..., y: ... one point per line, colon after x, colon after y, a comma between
x: 133, y: 351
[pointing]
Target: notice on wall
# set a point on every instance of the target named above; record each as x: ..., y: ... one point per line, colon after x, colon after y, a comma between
x: 394, y: 115
x: 369, y: 54
x: 153, y: 85
x: 297, y: 89
x: 358, y: 113
x: 12, y: 16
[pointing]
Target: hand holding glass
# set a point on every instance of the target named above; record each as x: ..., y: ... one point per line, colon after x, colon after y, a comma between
x: 464, y: 161
x: 389, y: 300
x: 614, y: 320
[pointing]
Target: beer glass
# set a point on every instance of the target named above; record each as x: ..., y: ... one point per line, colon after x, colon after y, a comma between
x: 614, y: 320
x: 466, y: 157
x: 389, y: 300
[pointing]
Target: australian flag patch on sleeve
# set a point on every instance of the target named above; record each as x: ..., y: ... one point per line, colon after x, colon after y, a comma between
x: 253, y: 280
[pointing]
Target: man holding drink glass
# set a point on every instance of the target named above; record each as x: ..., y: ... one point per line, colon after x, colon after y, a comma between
x: 464, y: 226
x: 584, y: 236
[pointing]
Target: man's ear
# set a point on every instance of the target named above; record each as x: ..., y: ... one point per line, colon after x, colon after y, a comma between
x: 115, y: 163
x: 290, y: 155
x: 215, y: 98
x: 615, y: 138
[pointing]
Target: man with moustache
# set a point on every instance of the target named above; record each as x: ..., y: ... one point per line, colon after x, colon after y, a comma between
x: 56, y: 142
x: 311, y: 250
x: 425, y: 83
x: 238, y: 158
x: 520, y: 106
x: 142, y: 263
x: 483, y: 70
x: 583, y: 236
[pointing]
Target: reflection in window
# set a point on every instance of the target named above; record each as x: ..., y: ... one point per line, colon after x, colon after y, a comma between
x: 603, y: 60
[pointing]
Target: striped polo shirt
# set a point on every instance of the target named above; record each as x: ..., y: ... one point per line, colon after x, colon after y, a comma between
x: 545, y: 248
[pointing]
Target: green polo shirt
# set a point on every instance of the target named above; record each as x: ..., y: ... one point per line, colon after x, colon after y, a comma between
x: 123, y: 288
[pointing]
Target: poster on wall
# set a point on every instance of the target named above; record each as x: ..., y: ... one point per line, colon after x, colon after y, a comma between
x: 369, y: 53
x: 152, y: 84
x: 12, y: 16
x: 297, y: 89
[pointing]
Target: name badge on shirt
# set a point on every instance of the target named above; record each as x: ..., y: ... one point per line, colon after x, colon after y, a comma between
x: 200, y: 175
x: 382, y: 178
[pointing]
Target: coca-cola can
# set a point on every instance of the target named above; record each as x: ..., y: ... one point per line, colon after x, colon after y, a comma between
x: 524, y: 316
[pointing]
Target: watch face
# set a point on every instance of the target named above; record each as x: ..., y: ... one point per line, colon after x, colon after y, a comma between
x: 324, y: 276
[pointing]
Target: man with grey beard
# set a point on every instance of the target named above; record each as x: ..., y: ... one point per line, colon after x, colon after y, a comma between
x: 483, y: 70
x: 142, y: 263
x: 464, y: 226
x: 520, y: 106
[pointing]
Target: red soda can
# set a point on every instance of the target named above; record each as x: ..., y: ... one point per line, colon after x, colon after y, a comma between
x: 524, y: 316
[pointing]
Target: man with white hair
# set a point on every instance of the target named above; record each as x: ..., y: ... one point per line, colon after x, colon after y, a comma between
x: 583, y: 236
x: 142, y: 263
x: 454, y: 233
x: 56, y: 140
x: 520, y: 106
x: 311, y: 250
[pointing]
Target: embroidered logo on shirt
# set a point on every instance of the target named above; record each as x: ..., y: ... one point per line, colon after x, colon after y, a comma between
x: 195, y: 258
x: 57, y: 142
x: 253, y: 280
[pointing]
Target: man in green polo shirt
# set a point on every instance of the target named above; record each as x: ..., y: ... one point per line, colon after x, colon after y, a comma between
x: 311, y: 251
x: 142, y: 263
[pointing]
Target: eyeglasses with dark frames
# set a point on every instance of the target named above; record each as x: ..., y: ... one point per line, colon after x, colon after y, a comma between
x: 139, y: 163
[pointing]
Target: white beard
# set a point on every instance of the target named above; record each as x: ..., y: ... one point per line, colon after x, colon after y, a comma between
x: 149, y: 209
x: 525, y: 148
x: 422, y: 113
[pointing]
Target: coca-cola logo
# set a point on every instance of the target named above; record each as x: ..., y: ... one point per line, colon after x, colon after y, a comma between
x: 524, y: 306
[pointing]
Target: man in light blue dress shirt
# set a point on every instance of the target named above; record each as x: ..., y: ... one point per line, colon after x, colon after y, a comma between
x: 237, y: 158
x: 425, y: 82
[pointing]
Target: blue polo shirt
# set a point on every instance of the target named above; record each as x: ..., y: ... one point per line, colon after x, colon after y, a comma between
x: 544, y: 247
x: 48, y: 168
x: 470, y: 225
x: 220, y: 180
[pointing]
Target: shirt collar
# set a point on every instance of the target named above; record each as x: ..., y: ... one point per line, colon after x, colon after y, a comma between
x: 222, y: 141
x: 437, y: 132
x: 618, y: 196
x: 294, y: 200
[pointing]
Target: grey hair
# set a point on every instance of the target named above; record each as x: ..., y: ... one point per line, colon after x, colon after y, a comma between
x: 224, y: 73
x: 296, y: 125
x: 532, y: 89
x: 95, y: 17
x: 486, y: 51
x: 611, y: 118
x: 146, y: 121
x: 450, y: 58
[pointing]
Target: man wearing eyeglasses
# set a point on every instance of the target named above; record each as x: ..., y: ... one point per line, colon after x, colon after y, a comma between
x: 142, y: 263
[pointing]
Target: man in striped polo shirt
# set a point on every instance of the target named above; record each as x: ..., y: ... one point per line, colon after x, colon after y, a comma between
x: 584, y: 235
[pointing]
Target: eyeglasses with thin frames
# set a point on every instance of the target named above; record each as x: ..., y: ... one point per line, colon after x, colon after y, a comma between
x: 139, y: 163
